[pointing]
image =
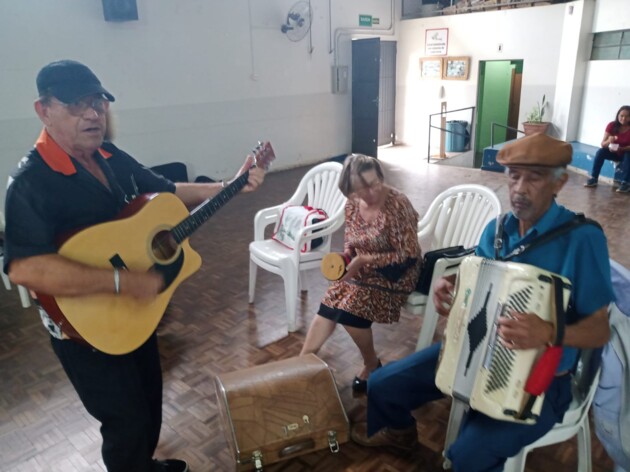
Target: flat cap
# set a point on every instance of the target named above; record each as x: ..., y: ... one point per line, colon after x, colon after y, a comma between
x: 536, y: 150
x: 69, y: 81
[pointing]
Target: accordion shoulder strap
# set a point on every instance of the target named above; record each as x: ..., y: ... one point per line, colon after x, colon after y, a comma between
x: 578, y: 220
x: 560, y: 311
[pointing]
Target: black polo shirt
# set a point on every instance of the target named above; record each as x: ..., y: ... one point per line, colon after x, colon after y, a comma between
x: 50, y: 194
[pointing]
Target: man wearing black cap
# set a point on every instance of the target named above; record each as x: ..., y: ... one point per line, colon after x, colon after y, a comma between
x: 536, y: 171
x: 72, y: 179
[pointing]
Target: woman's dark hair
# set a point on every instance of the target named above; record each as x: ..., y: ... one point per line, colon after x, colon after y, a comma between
x: 617, y: 124
x: 354, y: 166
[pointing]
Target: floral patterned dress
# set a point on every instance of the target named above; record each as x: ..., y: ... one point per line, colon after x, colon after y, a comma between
x: 380, y: 289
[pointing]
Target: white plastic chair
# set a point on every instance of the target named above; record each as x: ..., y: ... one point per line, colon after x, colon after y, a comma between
x: 456, y: 217
x: 319, y: 189
x: 575, y: 421
x: 443, y: 268
x: 5, y: 277
x: 25, y: 297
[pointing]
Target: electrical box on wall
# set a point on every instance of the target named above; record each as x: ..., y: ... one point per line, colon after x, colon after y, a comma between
x: 340, y: 79
x: 120, y: 10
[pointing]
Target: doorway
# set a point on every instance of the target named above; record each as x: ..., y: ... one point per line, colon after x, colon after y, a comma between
x: 373, y: 94
x: 387, y: 94
x: 498, y: 100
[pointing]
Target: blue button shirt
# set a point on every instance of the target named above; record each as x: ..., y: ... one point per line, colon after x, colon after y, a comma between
x: 581, y: 255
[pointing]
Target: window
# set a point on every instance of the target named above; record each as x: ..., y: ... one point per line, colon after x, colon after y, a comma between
x: 611, y: 45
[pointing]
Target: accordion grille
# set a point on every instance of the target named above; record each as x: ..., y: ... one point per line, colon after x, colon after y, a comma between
x: 502, y: 362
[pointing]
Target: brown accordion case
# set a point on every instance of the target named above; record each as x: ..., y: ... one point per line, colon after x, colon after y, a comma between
x: 281, y: 410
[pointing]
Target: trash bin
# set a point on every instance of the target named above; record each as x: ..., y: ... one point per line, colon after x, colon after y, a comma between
x: 456, y: 136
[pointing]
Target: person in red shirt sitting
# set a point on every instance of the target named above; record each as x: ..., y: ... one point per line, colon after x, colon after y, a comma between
x: 615, y: 147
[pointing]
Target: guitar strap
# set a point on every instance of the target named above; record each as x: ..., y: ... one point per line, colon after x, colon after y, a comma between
x: 122, y: 196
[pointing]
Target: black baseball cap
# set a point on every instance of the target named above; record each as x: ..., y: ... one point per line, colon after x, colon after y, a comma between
x: 69, y: 81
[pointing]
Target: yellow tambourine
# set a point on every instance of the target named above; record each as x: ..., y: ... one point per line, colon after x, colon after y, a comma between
x: 334, y: 265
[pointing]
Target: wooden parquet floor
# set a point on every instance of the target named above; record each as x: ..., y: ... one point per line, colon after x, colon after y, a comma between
x: 209, y: 328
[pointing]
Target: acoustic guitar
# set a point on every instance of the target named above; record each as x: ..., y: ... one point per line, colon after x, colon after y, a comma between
x: 151, y: 233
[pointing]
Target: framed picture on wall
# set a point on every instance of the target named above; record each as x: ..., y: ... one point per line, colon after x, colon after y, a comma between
x: 456, y: 68
x: 430, y: 68
x: 436, y: 42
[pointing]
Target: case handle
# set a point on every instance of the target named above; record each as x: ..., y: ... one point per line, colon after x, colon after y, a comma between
x: 295, y: 448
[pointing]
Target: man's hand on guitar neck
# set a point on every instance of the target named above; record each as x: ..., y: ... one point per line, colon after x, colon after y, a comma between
x: 192, y: 194
x: 256, y: 174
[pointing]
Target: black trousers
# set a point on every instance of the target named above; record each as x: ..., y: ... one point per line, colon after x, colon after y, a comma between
x: 124, y: 393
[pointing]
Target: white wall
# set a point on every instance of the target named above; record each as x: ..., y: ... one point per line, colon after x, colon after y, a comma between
x: 611, y: 15
x: 201, y: 80
x: 531, y: 34
x: 573, y: 56
x: 198, y: 81
x: 607, y: 83
x: 554, y: 42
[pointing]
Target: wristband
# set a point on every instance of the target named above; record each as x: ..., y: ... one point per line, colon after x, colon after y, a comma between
x: 116, y: 281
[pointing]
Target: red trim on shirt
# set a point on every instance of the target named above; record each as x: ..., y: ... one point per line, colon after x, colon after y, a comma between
x: 55, y: 157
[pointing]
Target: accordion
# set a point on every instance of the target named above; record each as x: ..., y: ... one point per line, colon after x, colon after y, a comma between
x: 474, y: 367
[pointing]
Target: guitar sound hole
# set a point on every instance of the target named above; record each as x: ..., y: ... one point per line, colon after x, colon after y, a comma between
x: 163, y: 246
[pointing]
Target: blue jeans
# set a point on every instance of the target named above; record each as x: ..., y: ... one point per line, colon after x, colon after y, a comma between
x: 484, y: 444
x: 603, y: 154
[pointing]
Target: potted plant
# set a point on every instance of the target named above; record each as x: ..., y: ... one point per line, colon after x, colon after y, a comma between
x: 534, y: 121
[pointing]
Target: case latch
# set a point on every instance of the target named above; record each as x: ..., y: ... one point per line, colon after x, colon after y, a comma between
x: 257, y: 459
x: 333, y: 444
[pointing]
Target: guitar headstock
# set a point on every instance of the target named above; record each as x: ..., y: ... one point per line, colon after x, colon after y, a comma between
x: 263, y: 155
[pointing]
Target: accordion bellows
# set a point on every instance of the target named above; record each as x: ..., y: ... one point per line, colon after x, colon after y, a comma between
x: 474, y: 367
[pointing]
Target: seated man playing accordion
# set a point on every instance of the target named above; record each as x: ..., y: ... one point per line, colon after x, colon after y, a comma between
x: 536, y: 171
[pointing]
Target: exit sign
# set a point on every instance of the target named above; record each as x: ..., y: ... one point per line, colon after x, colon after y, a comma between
x: 365, y: 20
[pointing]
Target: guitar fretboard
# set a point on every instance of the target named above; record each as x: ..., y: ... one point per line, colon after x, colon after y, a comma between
x: 205, y: 210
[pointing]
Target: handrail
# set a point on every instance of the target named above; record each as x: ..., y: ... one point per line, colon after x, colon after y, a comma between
x: 444, y: 113
x: 493, y: 124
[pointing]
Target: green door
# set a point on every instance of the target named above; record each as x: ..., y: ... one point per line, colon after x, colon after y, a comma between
x: 494, y: 103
